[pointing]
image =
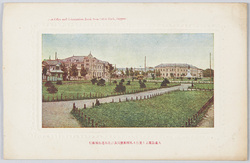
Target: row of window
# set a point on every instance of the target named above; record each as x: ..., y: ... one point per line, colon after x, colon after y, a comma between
x: 173, y: 70
x: 168, y: 74
x: 98, y: 74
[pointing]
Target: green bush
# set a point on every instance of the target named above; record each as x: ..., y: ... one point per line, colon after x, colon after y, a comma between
x: 52, y: 89
x: 101, y: 82
x: 128, y: 83
x: 59, y: 82
x: 142, y: 85
x: 93, y: 81
x: 120, y: 87
x: 48, y: 84
x: 165, y: 82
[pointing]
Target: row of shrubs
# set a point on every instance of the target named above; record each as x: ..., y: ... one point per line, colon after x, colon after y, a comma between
x: 100, y: 82
x: 128, y: 82
x: 121, y: 88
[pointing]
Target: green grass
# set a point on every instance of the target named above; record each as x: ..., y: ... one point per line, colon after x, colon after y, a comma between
x: 70, y: 89
x: 168, y: 110
x: 204, y: 86
x: 186, y: 79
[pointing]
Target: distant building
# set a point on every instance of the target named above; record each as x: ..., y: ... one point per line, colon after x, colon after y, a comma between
x: 178, y: 70
x: 94, y: 66
x: 53, y: 70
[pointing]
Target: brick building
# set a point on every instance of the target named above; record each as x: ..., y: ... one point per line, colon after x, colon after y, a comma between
x: 94, y: 66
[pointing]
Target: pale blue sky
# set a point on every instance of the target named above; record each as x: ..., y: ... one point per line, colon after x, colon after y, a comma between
x: 129, y: 50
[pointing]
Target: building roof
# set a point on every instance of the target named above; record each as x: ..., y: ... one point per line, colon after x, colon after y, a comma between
x: 51, y: 62
x: 56, y: 71
x: 74, y: 59
x: 183, y: 65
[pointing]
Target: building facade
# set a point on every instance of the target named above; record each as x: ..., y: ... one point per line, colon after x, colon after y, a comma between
x: 94, y: 67
x: 177, y: 70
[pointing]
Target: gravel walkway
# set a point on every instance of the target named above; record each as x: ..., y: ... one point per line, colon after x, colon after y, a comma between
x: 57, y: 114
x: 208, y: 119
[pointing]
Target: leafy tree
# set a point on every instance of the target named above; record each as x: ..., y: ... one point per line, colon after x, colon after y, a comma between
x: 131, y: 72
x: 110, y: 71
x: 142, y: 85
x: 128, y: 83
x: 83, y: 71
x: 65, y: 71
x: 153, y: 76
x: 127, y: 72
x: 120, y: 87
x: 44, y: 71
x: 182, y: 76
x: 73, y: 70
x: 165, y: 82
x: 136, y: 73
x: 206, y: 73
x: 158, y: 73
x: 172, y: 75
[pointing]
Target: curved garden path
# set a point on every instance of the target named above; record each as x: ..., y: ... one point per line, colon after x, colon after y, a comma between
x: 57, y: 114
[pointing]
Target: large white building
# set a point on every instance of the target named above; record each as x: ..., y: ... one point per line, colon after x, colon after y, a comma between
x: 178, y: 70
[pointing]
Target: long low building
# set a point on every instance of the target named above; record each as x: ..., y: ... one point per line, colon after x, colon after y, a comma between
x: 178, y: 70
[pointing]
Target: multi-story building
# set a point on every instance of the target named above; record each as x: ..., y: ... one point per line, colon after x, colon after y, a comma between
x: 94, y: 66
x: 178, y: 70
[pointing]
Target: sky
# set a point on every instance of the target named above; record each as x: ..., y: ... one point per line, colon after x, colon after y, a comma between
x: 129, y: 50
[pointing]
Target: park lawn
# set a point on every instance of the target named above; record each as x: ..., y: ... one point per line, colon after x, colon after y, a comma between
x: 186, y: 79
x: 168, y: 110
x: 70, y: 89
x: 204, y: 86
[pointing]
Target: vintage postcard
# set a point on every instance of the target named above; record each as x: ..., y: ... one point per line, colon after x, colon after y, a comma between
x: 121, y: 83
x: 161, y: 81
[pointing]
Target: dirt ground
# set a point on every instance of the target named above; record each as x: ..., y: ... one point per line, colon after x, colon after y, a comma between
x: 208, y: 119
